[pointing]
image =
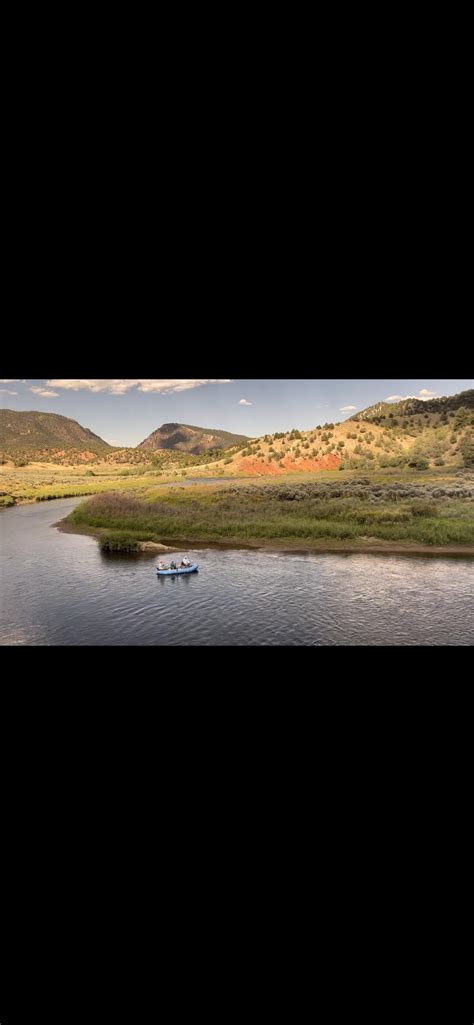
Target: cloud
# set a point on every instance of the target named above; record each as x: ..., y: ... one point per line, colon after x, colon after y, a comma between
x: 423, y: 396
x: 119, y: 386
x: 11, y: 380
x: 44, y: 392
x: 243, y: 402
x: 347, y: 409
x: 8, y: 392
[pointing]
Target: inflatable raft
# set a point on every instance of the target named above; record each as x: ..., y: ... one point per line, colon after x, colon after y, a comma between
x: 177, y: 572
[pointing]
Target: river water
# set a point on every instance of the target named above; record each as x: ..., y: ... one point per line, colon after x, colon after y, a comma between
x: 59, y: 589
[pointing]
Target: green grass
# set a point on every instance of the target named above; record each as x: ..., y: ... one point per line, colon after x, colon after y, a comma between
x: 219, y: 513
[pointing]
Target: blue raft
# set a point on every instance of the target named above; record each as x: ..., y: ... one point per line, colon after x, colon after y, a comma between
x: 177, y: 572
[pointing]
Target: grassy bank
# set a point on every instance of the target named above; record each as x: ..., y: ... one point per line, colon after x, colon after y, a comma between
x: 44, y: 482
x: 307, y: 514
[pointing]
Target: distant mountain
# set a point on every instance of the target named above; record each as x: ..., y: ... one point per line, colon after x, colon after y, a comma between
x: 195, y: 440
x: 41, y: 433
x: 414, y: 406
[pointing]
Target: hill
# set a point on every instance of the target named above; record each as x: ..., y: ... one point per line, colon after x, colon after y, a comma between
x: 195, y: 440
x: 40, y: 436
x: 434, y: 407
x: 439, y: 432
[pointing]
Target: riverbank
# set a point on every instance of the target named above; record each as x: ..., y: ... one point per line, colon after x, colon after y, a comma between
x: 313, y: 517
x: 58, y: 589
x: 364, y: 546
x: 67, y: 527
x: 46, y: 482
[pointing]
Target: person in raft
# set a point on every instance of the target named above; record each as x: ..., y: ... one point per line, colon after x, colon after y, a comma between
x: 186, y: 562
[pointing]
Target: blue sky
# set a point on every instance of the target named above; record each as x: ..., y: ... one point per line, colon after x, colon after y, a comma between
x: 124, y: 411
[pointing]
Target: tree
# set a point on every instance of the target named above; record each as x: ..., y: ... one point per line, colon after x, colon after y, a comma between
x: 467, y: 449
x: 463, y: 417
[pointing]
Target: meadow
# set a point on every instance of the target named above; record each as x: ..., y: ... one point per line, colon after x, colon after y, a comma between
x: 305, y: 513
x: 41, y: 482
x: 129, y: 505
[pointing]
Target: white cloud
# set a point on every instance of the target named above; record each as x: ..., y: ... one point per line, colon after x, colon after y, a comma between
x: 44, y: 392
x: 243, y: 402
x: 11, y: 380
x: 423, y: 396
x: 347, y: 409
x: 119, y: 386
x: 8, y: 392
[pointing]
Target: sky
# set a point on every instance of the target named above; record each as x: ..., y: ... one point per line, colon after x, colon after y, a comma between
x: 124, y: 411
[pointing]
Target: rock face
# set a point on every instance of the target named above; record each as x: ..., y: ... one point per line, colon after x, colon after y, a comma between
x: 195, y: 440
x: 262, y: 468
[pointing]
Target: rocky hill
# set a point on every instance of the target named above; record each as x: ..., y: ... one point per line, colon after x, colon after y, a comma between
x: 195, y: 440
x: 437, y: 433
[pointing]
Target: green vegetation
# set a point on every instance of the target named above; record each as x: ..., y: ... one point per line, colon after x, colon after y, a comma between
x: 25, y: 434
x: 120, y: 542
x: 195, y: 440
x: 467, y: 449
x: 308, y: 513
x: 452, y: 405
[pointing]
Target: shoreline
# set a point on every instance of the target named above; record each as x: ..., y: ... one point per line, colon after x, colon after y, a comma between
x: 366, y: 546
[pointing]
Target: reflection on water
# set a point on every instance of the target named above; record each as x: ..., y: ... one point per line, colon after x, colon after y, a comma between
x: 60, y: 589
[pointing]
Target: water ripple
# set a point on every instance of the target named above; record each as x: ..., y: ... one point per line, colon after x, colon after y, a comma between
x: 59, y: 589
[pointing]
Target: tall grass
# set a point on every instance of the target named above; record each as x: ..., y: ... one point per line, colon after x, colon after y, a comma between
x: 220, y: 514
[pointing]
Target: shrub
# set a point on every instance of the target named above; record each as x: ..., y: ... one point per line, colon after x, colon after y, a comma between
x: 418, y: 463
x: 119, y: 541
x: 467, y: 449
x: 463, y: 417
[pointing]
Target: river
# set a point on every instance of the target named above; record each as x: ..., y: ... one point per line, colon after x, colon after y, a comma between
x: 59, y: 589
